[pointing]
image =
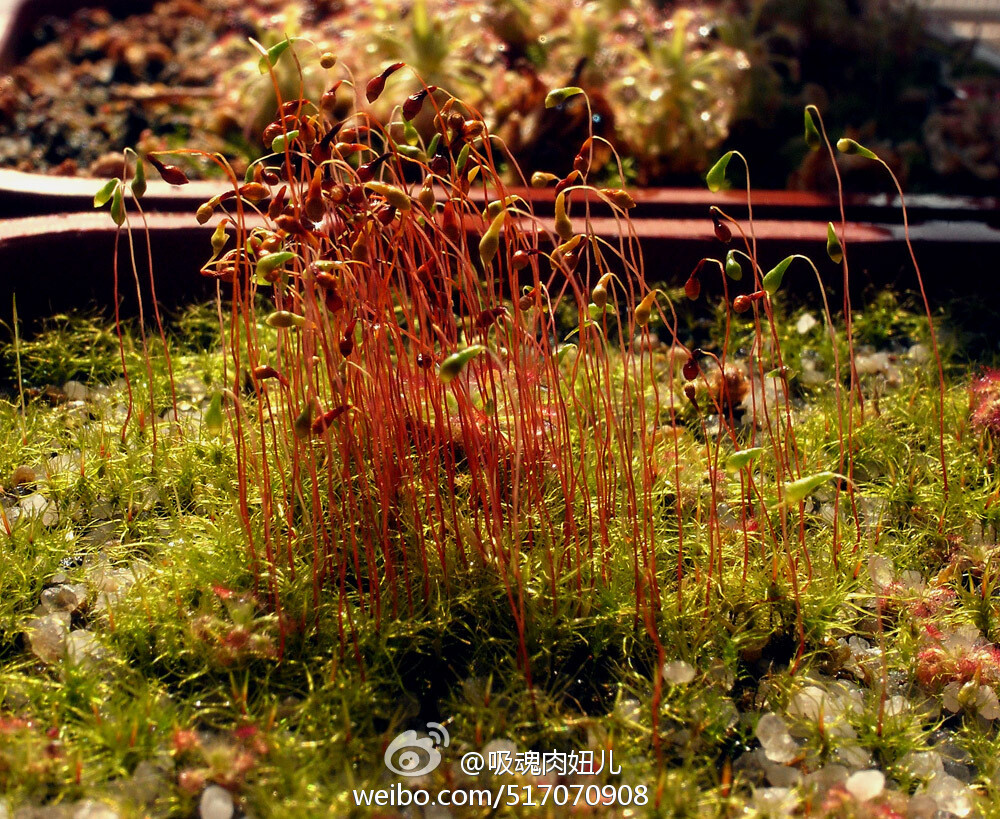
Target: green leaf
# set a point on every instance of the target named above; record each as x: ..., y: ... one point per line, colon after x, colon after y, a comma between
x: 772, y: 281
x: 105, y: 192
x: 118, y: 206
x: 557, y: 96
x: 813, y: 139
x: 738, y: 460
x: 271, y: 262
x: 583, y: 326
x: 497, y: 205
x: 463, y: 157
x: 564, y: 350
x: 833, y: 248
x: 281, y: 140
x: 733, y: 268
x: 219, y: 238
x: 411, y: 152
x: 284, y: 320
x: 410, y: 133
x: 139, y: 180
x: 490, y: 243
x: 453, y: 364
x: 138, y: 183
x: 396, y: 197
x: 804, y: 487
x: 717, y: 175
x: 421, y: 23
x: 273, y: 53
x: 849, y: 146
x: 213, y: 418
x: 596, y: 312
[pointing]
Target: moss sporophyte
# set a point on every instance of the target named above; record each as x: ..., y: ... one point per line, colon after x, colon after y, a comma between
x: 468, y: 454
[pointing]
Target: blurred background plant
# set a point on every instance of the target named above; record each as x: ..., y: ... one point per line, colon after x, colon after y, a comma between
x: 669, y: 85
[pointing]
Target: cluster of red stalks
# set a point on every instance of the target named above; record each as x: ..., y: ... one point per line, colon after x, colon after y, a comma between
x: 417, y: 410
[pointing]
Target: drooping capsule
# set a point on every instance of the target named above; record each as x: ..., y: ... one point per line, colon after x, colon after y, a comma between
x: 426, y: 196
x: 118, y: 206
x: 455, y: 363
x: 269, y: 265
x: 138, y: 183
x: 599, y: 295
x: 284, y: 319
x: 490, y: 242
x: 415, y: 102
x: 394, y: 196
x: 328, y: 102
x: 265, y: 372
x: 367, y: 171
x: 833, y: 247
x: 205, y: 211
x: 541, y: 179
x: 314, y: 206
x: 733, y: 268
x: 490, y: 315
x: 744, y: 302
x: 473, y: 128
x: 850, y: 146
x: 716, y: 175
x: 563, y: 224
x: 692, y: 287
x: 359, y: 248
x: 170, y: 174
x: 376, y: 85
x: 691, y: 393
x: 564, y: 251
x: 451, y: 224
x: 219, y: 238
x: 277, y: 204
x: 214, y: 419
x: 812, y: 137
x: 346, y: 345
x: 644, y: 310
x: 440, y: 164
x: 520, y: 260
x: 619, y: 198
x: 254, y: 192
x: 302, y: 425
x: 722, y: 231
x: 573, y: 178
x: 322, y: 423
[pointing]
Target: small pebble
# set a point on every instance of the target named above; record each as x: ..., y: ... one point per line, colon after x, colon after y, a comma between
x: 47, y: 636
x: 64, y: 597
x: 865, y: 785
x: 805, y: 323
x: 678, y: 672
x: 216, y: 803
x: 950, y: 794
x: 91, y: 809
x: 777, y: 743
x: 83, y: 649
x: 39, y: 507
x: 75, y: 391
x: 22, y: 476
